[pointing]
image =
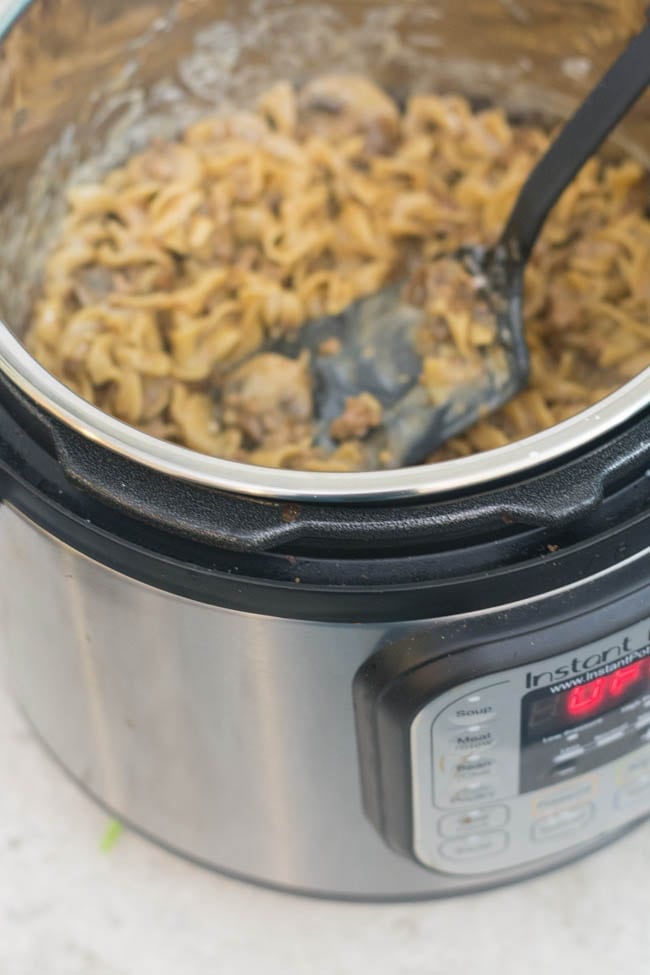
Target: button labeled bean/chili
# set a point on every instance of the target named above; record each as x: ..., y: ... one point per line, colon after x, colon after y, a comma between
x: 474, y: 765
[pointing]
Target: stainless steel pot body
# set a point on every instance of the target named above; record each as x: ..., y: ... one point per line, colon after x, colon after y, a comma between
x: 228, y: 736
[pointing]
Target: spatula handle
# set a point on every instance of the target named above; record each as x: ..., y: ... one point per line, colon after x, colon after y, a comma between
x: 612, y: 97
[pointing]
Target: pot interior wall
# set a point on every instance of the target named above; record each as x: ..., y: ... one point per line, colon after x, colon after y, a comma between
x: 83, y: 85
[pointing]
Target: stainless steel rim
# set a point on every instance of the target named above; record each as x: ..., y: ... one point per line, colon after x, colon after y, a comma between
x: 167, y: 458
x: 475, y: 471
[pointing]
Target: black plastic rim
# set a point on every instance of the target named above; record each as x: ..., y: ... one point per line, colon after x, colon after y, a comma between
x: 380, y: 563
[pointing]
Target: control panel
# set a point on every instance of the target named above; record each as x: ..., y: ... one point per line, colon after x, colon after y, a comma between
x: 516, y: 766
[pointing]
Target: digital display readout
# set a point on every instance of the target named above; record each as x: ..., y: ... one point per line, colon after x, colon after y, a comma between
x: 554, y: 709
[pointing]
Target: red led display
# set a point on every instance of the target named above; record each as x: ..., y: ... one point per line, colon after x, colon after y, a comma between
x: 588, y: 699
x: 624, y: 678
x: 553, y: 709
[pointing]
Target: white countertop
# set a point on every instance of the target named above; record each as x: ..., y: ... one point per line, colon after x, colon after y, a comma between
x: 67, y: 908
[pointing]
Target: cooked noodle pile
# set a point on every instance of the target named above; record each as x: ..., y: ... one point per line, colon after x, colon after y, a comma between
x: 171, y: 274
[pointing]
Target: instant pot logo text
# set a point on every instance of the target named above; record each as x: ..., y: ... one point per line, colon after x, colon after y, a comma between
x: 594, y: 664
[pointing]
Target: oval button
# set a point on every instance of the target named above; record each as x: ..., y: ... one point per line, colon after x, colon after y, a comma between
x: 473, y: 739
x: 562, y: 821
x: 474, y: 845
x: 473, y: 820
x: 477, y: 791
x: 635, y: 765
x: 471, y: 710
x: 637, y: 790
x: 475, y: 764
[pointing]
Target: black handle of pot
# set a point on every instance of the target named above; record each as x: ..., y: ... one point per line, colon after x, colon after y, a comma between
x: 612, y: 97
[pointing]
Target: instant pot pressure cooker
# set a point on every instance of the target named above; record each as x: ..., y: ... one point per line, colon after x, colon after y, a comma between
x: 396, y: 684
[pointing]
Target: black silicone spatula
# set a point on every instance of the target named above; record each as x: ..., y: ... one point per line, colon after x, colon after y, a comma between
x: 379, y: 337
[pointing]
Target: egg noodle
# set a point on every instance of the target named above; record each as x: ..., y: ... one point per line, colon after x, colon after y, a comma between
x: 170, y: 275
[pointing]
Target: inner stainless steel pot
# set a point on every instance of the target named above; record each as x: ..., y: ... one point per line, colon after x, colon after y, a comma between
x: 82, y: 85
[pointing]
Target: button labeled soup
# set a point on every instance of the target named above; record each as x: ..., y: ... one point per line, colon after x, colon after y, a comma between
x: 471, y: 710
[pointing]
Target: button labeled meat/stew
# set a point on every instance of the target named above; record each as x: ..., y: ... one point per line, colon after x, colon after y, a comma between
x: 473, y: 739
